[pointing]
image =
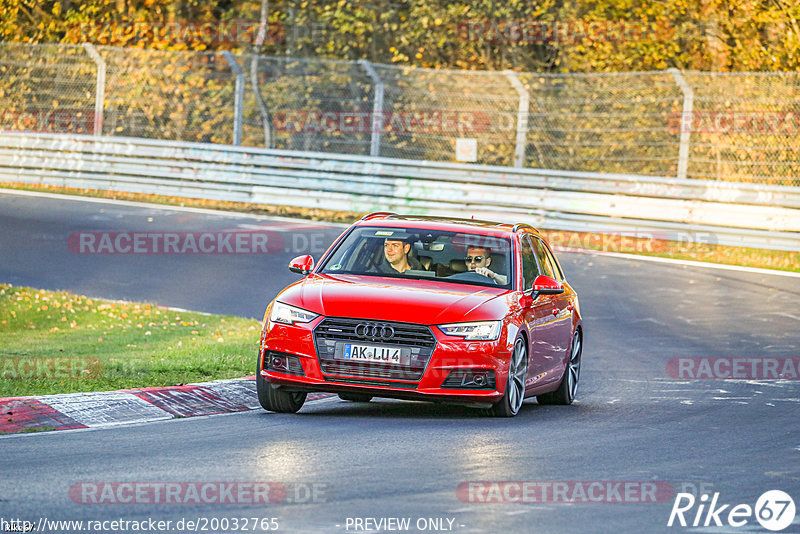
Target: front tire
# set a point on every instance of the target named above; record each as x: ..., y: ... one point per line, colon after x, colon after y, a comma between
x: 568, y: 387
x: 275, y: 399
x: 511, y: 402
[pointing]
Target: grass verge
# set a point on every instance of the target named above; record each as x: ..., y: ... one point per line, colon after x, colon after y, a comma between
x: 727, y: 255
x: 59, y: 342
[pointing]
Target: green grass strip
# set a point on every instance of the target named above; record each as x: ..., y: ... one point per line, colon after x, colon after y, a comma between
x: 59, y: 342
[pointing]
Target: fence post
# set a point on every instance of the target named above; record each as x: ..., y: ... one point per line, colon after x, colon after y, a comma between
x: 522, y: 118
x: 377, y: 109
x: 686, y: 122
x: 238, y: 101
x: 262, y: 106
x: 100, y: 88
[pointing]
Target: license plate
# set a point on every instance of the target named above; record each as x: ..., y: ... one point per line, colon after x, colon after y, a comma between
x: 374, y: 354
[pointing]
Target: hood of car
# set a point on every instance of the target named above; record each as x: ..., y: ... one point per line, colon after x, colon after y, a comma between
x: 391, y: 299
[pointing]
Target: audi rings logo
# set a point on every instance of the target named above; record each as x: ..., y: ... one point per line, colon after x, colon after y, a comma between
x: 374, y: 330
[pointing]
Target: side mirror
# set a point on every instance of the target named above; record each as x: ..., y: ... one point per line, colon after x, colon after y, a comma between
x: 302, y: 264
x: 544, y: 285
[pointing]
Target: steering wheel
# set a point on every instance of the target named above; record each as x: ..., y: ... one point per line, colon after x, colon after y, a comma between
x: 472, y: 276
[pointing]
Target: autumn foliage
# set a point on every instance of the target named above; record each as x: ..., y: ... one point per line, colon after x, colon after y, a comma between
x: 601, y: 97
x: 551, y: 35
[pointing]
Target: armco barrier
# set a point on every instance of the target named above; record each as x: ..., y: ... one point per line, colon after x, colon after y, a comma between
x: 726, y: 213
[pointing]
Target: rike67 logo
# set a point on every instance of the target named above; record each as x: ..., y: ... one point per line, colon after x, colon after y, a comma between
x: 774, y: 510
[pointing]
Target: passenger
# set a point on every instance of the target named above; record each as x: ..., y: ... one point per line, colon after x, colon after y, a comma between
x: 478, y: 259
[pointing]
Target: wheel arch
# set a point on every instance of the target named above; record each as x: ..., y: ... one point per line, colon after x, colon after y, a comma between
x: 579, y: 329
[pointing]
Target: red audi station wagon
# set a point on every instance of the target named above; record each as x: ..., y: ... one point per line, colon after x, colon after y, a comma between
x: 422, y: 308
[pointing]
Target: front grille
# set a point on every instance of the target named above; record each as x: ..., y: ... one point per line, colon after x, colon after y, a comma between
x: 373, y: 370
x: 405, y: 334
x: 375, y: 383
x: 334, y: 331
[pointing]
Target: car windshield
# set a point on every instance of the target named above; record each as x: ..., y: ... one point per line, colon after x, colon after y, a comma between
x: 455, y: 257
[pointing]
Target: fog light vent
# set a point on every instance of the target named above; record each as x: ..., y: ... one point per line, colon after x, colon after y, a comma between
x: 283, y: 363
x: 470, y: 379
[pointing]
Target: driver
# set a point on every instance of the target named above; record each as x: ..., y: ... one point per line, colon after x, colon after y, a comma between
x: 396, y: 253
x: 478, y: 260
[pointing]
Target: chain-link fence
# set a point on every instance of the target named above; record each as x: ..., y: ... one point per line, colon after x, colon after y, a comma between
x: 307, y: 104
x: 746, y: 127
x: 47, y: 88
x: 608, y: 123
x: 181, y: 96
x: 741, y: 127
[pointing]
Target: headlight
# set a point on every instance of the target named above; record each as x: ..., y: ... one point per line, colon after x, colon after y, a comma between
x: 283, y: 313
x: 483, y: 331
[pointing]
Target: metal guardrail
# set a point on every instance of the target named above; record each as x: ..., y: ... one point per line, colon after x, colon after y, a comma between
x: 725, y: 213
x: 726, y: 127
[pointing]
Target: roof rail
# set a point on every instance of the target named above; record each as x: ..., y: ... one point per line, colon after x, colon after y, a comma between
x: 522, y: 225
x: 376, y: 214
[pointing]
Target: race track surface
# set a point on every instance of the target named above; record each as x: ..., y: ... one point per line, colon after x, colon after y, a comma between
x: 389, y: 459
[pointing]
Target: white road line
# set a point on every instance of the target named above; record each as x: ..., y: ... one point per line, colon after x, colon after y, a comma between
x: 690, y: 263
x: 203, y: 211
x: 784, y: 314
x: 175, y: 421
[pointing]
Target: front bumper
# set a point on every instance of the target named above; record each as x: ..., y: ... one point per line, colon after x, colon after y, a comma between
x: 488, y: 358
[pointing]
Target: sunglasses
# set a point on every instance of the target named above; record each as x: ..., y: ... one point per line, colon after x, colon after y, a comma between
x: 470, y: 259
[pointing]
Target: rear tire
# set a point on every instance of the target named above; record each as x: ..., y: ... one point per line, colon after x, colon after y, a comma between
x: 568, y: 387
x: 355, y: 397
x: 511, y: 402
x: 276, y: 399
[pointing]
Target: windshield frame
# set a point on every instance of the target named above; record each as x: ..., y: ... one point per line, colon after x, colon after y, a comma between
x: 511, y: 268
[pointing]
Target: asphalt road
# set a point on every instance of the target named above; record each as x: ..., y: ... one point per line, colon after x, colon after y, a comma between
x: 391, y: 459
x: 35, y: 250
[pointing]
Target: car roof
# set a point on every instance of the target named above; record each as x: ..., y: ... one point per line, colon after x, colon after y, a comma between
x: 451, y: 224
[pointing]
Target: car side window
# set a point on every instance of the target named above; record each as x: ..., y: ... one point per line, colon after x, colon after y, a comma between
x: 541, y: 255
x: 529, y: 268
x: 554, y: 262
